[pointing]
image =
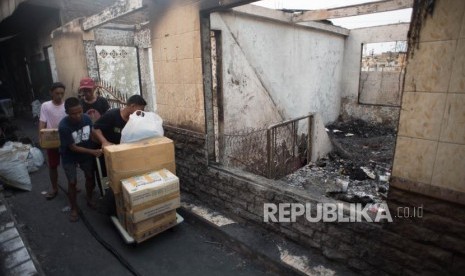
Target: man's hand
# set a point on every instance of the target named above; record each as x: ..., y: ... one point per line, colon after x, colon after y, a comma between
x: 97, y: 152
x: 104, y: 144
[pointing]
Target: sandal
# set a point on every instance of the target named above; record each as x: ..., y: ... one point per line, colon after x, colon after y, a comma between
x: 73, y: 217
x: 51, y: 195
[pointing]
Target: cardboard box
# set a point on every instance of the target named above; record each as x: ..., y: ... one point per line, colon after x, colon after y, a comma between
x: 116, y: 177
x: 132, y: 159
x: 151, y: 209
x: 49, y: 138
x: 135, y: 229
x: 140, y: 237
x: 152, y: 203
x: 148, y: 187
x: 120, y: 210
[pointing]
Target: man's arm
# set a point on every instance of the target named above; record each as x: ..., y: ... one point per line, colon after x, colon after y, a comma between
x: 98, y: 136
x: 78, y: 149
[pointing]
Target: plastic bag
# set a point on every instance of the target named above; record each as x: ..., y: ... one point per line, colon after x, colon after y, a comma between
x: 27, y: 154
x: 37, y: 156
x: 36, y: 108
x: 142, y: 125
x: 13, y: 170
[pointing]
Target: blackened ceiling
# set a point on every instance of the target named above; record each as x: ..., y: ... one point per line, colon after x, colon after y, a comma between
x: 27, y: 18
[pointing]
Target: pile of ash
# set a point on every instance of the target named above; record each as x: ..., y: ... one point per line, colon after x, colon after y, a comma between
x: 358, y: 168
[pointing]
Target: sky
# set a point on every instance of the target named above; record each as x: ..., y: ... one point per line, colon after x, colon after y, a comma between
x: 382, y: 47
x: 348, y: 22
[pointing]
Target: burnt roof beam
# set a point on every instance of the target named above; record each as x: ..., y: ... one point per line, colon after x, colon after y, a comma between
x: 368, y: 8
x: 208, y: 6
x: 115, y: 11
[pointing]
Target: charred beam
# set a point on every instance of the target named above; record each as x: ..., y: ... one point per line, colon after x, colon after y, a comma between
x: 120, y: 8
x: 219, y: 5
x: 382, y: 6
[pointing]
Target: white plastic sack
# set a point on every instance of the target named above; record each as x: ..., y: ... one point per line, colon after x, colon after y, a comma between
x: 37, y: 157
x: 23, y: 153
x: 36, y: 108
x: 142, y: 125
x: 13, y: 170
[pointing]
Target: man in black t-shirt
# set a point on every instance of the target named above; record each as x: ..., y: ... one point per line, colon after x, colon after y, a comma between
x: 76, y: 150
x: 93, y: 105
x: 107, y: 129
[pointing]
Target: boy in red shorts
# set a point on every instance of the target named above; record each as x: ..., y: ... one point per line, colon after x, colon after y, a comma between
x: 51, y: 113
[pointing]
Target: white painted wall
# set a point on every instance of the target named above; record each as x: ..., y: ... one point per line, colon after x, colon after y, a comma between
x: 353, y: 51
x: 274, y: 71
x: 351, y: 75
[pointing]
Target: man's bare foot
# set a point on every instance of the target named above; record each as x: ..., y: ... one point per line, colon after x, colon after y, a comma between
x: 73, y: 217
x: 51, y: 195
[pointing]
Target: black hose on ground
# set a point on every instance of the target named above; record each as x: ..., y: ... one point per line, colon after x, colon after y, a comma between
x: 108, y: 246
x: 105, y: 244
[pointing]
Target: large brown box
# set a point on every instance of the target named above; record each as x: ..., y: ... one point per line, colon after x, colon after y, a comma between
x: 49, y: 138
x: 132, y: 159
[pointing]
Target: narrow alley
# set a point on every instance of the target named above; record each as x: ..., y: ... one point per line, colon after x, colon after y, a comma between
x: 293, y: 137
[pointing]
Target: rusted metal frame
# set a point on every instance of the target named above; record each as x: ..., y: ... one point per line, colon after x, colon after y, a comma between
x: 108, y: 91
x: 270, y: 137
x: 271, y: 140
x: 309, y: 138
x: 207, y: 85
x: 120, y: 8
x: 368, y: 8
x: 289, y: 121
x: 294, y: 128
x: 114, y: 103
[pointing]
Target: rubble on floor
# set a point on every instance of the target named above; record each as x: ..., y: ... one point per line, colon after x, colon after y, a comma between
x: 358, y: 168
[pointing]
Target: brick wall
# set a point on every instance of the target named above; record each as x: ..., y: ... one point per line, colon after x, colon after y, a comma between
x: 433, y: 244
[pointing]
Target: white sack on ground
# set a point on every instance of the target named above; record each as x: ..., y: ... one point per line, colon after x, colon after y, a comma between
x: 36, y: 156
x: 13, y: 171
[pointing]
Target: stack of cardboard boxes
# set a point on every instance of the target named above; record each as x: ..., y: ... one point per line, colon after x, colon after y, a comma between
x: 146, y: 189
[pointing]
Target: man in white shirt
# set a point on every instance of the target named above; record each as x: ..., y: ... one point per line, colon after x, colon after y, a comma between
x: 51, y: 113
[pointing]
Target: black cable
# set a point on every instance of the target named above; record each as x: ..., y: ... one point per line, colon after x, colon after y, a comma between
x: 105, y: 244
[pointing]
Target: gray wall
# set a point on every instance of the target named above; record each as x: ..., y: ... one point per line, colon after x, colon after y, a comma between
x: 351, y: 77
x: 274, y: 71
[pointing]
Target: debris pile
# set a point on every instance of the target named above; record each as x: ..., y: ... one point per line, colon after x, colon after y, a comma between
x: 358, y: 168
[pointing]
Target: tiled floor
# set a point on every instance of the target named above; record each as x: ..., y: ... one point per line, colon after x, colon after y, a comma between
x: 14, y: 256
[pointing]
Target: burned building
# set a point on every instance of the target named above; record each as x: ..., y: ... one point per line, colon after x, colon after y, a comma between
x: 242, y: 88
